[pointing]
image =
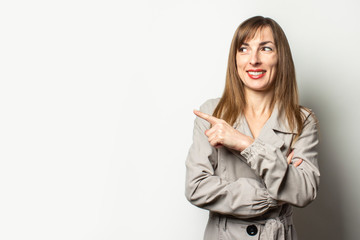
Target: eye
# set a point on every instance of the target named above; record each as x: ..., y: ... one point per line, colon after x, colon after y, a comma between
x: 243, y: 50
x: 267, y: 49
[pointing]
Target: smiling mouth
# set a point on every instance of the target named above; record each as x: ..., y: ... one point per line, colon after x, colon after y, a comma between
x: 256, y: 74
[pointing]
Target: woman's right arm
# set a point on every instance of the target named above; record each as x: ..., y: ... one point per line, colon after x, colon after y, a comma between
x: 244, y: 197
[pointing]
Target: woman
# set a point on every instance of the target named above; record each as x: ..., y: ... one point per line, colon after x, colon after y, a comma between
x: 254, y: 151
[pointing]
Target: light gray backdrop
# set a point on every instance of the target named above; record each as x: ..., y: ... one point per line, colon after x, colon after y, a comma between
x: 96, y: 101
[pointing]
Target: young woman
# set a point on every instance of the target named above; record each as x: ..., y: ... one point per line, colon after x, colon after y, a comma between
x: 254, y: 151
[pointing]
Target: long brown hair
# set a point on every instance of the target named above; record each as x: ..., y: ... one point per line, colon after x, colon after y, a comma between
x: 233, y: 102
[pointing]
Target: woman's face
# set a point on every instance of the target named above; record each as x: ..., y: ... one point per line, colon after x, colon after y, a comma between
x: 256, y: 61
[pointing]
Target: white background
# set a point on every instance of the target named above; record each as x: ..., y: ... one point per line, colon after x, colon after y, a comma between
x: 96, y: 101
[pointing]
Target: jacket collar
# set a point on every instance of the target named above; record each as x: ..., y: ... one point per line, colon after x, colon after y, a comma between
x: 279, y: 122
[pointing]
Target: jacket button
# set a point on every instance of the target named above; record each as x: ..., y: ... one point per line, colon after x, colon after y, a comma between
x: 252, y: 230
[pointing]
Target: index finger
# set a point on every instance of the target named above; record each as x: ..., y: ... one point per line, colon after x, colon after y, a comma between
x: 211, y: 119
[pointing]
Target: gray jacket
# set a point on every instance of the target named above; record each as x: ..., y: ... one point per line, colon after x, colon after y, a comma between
x: 256, y: 186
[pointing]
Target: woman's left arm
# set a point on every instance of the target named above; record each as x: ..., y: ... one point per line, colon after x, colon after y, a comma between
x: 285, y: 182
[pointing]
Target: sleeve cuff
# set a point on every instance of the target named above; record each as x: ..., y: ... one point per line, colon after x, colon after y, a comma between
x: 257, y: 146
x: 272, y: 202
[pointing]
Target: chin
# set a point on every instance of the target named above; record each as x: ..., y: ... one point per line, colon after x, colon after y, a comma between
x: 258, y: 87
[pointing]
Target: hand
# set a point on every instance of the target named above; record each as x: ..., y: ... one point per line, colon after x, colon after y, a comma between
x: 297, y: 163
x: 222, y: 134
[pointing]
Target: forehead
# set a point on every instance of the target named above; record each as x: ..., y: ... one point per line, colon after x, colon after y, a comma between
x: 261, y: 34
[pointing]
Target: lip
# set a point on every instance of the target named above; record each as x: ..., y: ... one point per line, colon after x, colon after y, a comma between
x: 256, y: 76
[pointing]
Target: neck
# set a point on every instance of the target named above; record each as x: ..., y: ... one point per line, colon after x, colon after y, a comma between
x: 258, y: 103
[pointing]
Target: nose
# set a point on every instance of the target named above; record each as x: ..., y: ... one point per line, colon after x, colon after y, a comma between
x: 255, y: 58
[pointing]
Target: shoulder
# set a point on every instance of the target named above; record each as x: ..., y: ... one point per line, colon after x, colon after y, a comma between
x: 309, y: 116
x: 209, y: 105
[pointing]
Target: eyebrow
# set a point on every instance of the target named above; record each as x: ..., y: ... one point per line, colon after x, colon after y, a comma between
x: 261, y: 44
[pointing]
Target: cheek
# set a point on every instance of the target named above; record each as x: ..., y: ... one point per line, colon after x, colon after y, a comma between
x: 240, y: 65
x: 241, y: 73
x: 273, y: 61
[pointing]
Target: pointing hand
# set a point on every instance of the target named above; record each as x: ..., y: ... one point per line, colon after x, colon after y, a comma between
x: 222, y: 134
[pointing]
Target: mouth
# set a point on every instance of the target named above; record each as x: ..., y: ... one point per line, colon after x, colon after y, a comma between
x: 256, y: 73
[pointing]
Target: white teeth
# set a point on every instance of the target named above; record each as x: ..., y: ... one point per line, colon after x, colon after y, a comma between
x: 256, y: 73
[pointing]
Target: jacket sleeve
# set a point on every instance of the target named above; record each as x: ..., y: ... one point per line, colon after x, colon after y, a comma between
x: 243, y: 198
x: 286, y: 183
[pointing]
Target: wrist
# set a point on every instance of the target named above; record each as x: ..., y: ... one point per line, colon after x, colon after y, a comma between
x: 249, y: 141
x: 246, y: 142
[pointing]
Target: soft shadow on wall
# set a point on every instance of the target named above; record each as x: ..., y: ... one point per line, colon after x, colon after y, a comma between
x: 323, y: 218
